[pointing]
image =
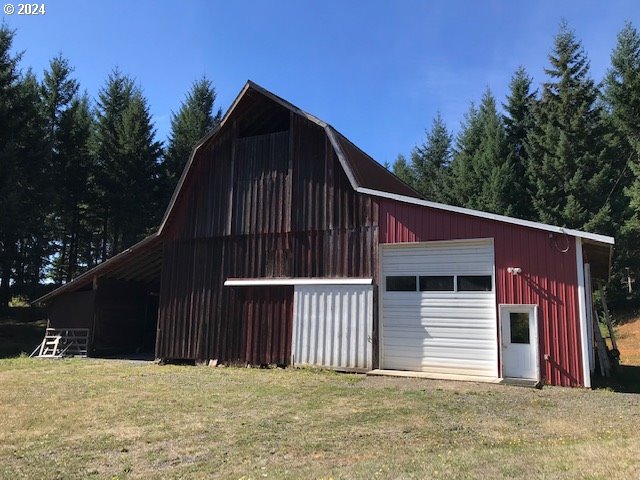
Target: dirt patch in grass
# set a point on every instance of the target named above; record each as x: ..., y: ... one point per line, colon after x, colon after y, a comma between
x: 628, y: 338
x: 118, y: 419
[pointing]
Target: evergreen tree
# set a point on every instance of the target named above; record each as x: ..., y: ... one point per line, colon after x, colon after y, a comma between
x: 460, y: 187
x: 492, y: 170
x: 139, y: 155
x: 480, y: 174
x: 430, y: 161
x: 113, y: 100
x: 75, y: 165
x: 461, y: 180
x: 518, y: 122
x: 9, y: 166
x: 569, y: 168
x: 403, y: 171
x: 622, y: 97
x: 58, y: 91
x: 193, y: 120
x: 33, y: 188
x: 622, y: 87
x: 22, y: 177
x: 69, y: 179
x: 127, y: 158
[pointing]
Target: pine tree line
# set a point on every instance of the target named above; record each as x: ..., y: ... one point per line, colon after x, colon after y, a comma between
x: 82, y: 179
x: 567, y: 155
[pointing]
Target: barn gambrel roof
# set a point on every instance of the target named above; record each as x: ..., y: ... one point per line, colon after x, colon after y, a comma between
x: 365, y: 175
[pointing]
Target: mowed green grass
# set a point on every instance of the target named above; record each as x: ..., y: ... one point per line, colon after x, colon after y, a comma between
x: 86, y: 418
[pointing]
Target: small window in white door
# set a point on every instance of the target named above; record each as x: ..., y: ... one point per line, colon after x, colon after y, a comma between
x: 519, y: 327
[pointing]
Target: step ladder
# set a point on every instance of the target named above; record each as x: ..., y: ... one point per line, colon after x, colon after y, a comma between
x: 603, y: 353
x: 63, y: 342
x: 607, y: 321
x: 607, y: 357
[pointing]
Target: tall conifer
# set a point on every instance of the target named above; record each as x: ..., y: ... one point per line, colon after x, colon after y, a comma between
x: 127, y: 162
x: 192, y: 121
x: 480, y: 175
x: 622, y: 97
x: 518, y: 122
x: 430, y: 161
x: 403, y: 171
x: 569, y: 167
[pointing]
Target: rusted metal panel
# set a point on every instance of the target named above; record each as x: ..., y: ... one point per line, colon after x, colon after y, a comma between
x: 548, y: 278
x: 267, y: 314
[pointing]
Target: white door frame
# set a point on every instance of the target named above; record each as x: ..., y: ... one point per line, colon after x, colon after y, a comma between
x: 532, y: 310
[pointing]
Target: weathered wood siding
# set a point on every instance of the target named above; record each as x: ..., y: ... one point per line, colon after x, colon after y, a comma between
x: 273, y: 205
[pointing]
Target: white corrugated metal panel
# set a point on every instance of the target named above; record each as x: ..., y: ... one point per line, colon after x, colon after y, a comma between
x: 440, y: 332
x: 332, y: 326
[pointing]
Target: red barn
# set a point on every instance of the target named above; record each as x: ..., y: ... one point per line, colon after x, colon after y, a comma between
x: 284, y: 243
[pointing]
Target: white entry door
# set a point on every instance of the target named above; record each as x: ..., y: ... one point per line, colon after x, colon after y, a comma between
x: 519, y: 341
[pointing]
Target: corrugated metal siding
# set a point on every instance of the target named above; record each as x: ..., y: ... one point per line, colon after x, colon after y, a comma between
x: 333, y: 326
x: 302, y: 221
x: 548, y: 279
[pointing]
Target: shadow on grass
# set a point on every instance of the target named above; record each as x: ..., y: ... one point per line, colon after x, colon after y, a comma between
x: 20, y: 336
x: 626, y: 379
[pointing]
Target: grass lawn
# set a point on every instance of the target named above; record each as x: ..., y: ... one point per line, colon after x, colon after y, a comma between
x: 88, y: 418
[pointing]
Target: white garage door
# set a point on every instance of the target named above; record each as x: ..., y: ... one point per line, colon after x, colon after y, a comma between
x: 439, y: 308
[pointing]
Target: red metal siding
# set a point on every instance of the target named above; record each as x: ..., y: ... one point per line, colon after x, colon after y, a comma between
x: 548, y: 279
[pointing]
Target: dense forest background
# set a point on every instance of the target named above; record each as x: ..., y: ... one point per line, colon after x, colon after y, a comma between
x: 83, y: 178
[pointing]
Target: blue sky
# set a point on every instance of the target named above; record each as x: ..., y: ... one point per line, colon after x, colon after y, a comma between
x: 378, y: 71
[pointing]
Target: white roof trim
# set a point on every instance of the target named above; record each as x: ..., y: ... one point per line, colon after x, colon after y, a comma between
x: 249, y: 282
x: 490, y: 216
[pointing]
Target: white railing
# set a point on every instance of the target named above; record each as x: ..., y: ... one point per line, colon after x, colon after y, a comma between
x: 63, y: 342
